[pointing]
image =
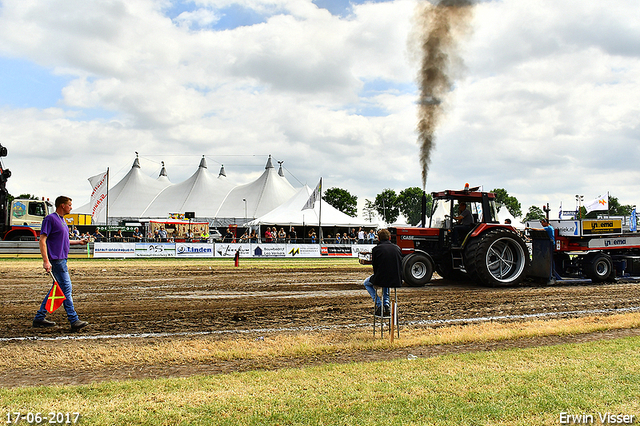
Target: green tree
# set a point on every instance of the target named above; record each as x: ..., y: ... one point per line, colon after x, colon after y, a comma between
x: 342, y: 200
x: 369, y: 210
x: 534, y: 213
x: 386, y: 205
x: 410, y: 204
x: 511, y: 203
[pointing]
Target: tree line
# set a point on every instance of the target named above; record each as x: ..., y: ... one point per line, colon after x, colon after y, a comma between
x: 388, y: 205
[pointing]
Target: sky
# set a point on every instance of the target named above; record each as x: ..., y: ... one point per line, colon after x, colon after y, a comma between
x: 545, y: 100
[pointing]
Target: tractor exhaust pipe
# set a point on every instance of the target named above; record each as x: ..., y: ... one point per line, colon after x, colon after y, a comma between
x: 424, y: 209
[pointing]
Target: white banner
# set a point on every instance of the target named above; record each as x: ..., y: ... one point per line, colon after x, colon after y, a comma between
x: 227, y: 250
x: 155, y: 250
x: 98, y: 194
x: 114, y: 249
x: 303, y: 250
x: 230, y: 249
x: 194, y: 250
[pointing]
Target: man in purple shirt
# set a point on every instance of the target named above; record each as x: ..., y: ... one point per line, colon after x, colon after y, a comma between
x: 54, y: 247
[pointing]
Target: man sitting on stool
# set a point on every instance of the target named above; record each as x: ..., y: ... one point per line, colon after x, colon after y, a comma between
x: 386, y: 258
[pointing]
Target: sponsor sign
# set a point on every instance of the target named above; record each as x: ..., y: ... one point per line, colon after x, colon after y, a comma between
x: 566, y: 228
x: 269, y: 250
x: 229, y: 250
x: 342, y: 251
x: 155, y: 250
x: 616, y: 242
x: 114, y: 250
x: 303, y: 250
x: 194, y: 250
x: 601, y: 227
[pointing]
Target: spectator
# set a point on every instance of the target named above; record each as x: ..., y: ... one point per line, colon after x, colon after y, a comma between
x: 386, y: 259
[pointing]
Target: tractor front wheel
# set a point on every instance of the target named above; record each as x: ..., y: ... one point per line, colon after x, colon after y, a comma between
x: 417, y: 270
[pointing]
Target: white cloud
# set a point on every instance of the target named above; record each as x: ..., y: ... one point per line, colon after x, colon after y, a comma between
x: 546, y: 105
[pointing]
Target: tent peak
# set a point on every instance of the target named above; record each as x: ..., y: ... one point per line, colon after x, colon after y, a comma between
x: 222, y: 172
x: 136, y: 162
x: 163, y: 171
x: 203, y: 163
x: 269, y: 164
x: 280, y: 171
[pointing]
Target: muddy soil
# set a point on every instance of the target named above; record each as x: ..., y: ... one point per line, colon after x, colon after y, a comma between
x: 119, y: 298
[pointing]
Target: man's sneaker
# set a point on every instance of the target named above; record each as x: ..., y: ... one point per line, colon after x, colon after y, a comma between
x: 378, y: 311
x: 78, y: 325
x: 43, y: 323
x: 386, y: 312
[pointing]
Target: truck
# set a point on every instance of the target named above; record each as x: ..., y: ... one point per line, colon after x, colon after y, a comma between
x: 21, y: 219
x: 599, y: 249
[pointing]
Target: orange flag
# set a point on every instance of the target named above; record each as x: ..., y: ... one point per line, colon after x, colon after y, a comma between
x: 56, y: 297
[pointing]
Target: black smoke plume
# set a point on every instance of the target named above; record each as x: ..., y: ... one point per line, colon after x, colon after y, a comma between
x: 440, y: 24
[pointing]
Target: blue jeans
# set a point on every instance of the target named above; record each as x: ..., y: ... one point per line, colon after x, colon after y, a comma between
x: 60, y: 271
x: 374, y: 295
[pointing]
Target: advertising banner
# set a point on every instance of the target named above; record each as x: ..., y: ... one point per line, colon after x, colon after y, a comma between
x: 205, y: 250
x: 338, y: 251
x: 601, y: 227
x: 615, y: 242
x: 303, y: 250
x: 230, y: 249
x: 155, y: 250
x: 194, y: 250
x: 566, y: 228
x: 114, y: 250
x: 269, y: 250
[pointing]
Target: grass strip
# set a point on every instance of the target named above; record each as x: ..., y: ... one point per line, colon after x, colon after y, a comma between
x: 507, y: 387
x: 35, y: 355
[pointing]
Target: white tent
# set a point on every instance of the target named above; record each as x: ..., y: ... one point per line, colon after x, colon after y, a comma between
x: 202, y: 193
x: 131, y: 196
x: 162, y: 177
x: 254, y: 199
x: 290, y: 213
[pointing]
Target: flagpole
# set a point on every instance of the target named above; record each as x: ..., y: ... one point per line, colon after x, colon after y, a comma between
x: 107, y: 218
x: 320, y: 215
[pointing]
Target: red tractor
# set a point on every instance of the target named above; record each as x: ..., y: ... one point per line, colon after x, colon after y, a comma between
x: 490, y: 253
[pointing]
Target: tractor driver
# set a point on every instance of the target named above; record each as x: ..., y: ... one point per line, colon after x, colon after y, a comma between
x: 464, y: 225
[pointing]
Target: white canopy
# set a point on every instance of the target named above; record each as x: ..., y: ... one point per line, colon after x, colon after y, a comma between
x: 202, y: 193
x: 131, y: 196
x: 258, y: 197
x: 290, y: 213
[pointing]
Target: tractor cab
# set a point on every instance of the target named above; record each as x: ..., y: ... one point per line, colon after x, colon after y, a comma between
x: 446, y: 205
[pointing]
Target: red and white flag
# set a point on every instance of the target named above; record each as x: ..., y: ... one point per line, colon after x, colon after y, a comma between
x: 56, y: 297
x: 99, y: 184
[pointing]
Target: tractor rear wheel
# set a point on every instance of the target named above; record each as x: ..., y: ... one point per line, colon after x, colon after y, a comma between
x: 496, y: 258
x: 417, y: 270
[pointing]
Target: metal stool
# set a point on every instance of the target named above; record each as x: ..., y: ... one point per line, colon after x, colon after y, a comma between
x: 392, y: 318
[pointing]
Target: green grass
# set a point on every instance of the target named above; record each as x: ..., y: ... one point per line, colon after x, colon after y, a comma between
x: 508, y: 387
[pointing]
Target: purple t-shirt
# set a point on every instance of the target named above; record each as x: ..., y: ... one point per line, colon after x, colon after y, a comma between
x: 55, y: 228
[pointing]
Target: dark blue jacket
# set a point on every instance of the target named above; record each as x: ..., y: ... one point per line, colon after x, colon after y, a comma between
x: 386, y: 258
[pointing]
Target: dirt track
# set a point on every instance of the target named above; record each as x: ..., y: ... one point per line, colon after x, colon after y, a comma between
x: 159, y: 297
x: 119, y: 297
